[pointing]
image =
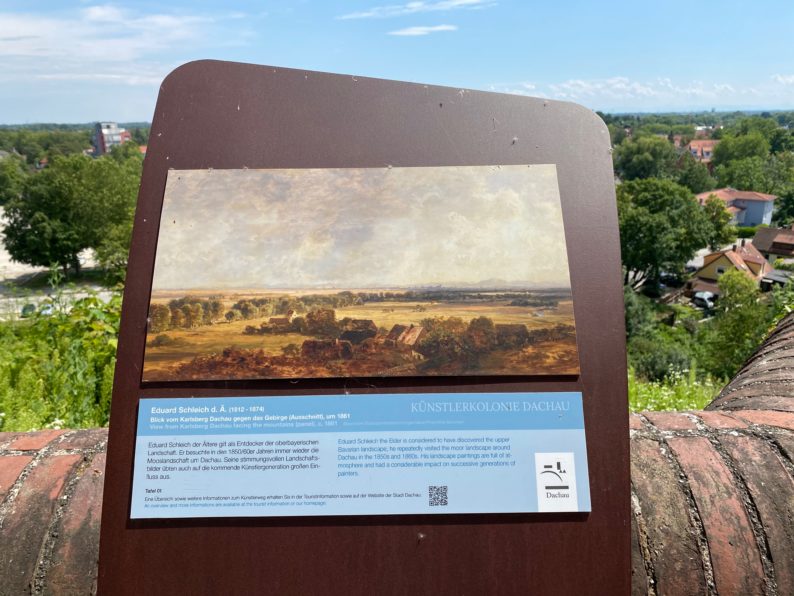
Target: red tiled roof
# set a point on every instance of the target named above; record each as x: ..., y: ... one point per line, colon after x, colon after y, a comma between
x: 731, y: 194
x: 702, y: 144
x: 739, y: 256
x: 750, y: 253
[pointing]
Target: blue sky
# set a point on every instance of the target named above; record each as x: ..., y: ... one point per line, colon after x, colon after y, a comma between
x: 80, y: 60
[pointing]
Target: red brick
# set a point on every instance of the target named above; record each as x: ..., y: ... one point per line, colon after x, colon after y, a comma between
x: 635, y: 422
x: 83, y: 439
x: 720, y: 420
x: 671, y: 420
x: 11, y: 467
x: 674, y: 549
x: 74, y: 558
x: 25, y: 526
x: 734, y: 553
x: 769, y: 418
x: 6, y: 438
x: 35, y: 441
x: 772, y: 490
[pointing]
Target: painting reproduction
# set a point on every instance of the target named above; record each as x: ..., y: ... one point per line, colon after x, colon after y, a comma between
x: 361, y: 272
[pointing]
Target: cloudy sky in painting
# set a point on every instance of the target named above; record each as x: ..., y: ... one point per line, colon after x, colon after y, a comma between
x: 361, y: 228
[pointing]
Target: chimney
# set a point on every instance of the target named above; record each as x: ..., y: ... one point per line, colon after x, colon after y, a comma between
x: 743, y: 241
x: 733, y: 248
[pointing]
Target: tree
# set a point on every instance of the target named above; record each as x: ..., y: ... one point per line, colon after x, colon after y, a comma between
x: 76, y: 203
x: 739, y: 326
x: 12, y: 178
x: 661, y: 228
x: 731, y: 147
x: 646, y: 157
x: 159, y: 318
x: 322, y: 322
x: 770, y: 175
x: 693, y: 174
x: 784, y: 209
x: 781, y: 141
x: 721, y: 231
x: 481, y: 334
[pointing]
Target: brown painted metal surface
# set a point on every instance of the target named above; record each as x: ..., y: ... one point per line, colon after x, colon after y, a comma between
x: 225, y: 115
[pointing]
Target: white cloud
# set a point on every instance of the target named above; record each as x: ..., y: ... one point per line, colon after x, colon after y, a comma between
x: 99, y: 43
x: 395, y: 10
x: 417, y: 31
x: 621, y: 93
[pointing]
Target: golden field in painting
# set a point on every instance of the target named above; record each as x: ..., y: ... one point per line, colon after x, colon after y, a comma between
x: 275, y: 335
x: 282, y: 274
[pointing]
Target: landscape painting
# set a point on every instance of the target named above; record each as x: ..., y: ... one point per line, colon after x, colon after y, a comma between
x: 361, y: 272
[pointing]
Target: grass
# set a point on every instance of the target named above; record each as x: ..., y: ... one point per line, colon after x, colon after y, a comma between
x: 679, y: 391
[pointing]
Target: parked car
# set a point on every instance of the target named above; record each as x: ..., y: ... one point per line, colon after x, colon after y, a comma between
x: 704, y: 300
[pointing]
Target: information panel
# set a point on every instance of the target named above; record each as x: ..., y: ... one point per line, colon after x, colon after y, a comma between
x: 376, y: 454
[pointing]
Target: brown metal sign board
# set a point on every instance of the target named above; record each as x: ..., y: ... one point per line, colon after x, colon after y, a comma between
x: 366, y: 327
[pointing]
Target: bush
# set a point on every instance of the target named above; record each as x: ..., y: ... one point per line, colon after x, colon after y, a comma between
x: 749, y: 231
x: 654, y: 359
x: 162, y: 340
x: 57, y: 369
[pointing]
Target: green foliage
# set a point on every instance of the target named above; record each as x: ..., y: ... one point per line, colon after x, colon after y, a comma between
x: 678, y: 391
x: 56, y: 370
x: 639, y: 314
x: 748, y: 231
x: 12, y: 178
x: 784, y: 208
x: 781, y: 140
x: 617, y: 134
x: 661, y: 228
x: 37, y: 144
x: 721, y: 232
x: 771, y: 175
x: 738, y: 328
x: 733, y: 147
x: 74, y: 204
x: 646, y: 157
x: 693, y: 174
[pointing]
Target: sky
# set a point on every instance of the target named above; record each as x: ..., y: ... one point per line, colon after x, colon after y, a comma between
x: 82, y: 61
x: 361, y: 228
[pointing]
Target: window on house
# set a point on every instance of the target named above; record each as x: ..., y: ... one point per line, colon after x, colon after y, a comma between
x: 720, y: 270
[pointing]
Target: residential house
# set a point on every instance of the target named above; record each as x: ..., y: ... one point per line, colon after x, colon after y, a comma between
x: 283, y: 322
x: 747, y: 207
x: 743, y: 257
x: 405, y: 335
x: 702, y: 149
x: 775, y: 243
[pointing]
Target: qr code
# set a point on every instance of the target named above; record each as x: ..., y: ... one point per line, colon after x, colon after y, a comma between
x: 438, y: 496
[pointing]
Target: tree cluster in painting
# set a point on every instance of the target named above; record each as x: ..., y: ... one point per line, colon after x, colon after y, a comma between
x: 310, y: 338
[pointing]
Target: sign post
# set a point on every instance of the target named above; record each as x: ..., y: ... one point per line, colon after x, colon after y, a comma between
x: 372, y: 342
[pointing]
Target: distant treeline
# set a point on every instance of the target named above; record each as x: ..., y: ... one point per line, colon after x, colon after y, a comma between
x: 190, y: 312
x: 39, y: 141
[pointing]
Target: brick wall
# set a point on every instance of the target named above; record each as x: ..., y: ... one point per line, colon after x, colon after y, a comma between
x: 712, y: 494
